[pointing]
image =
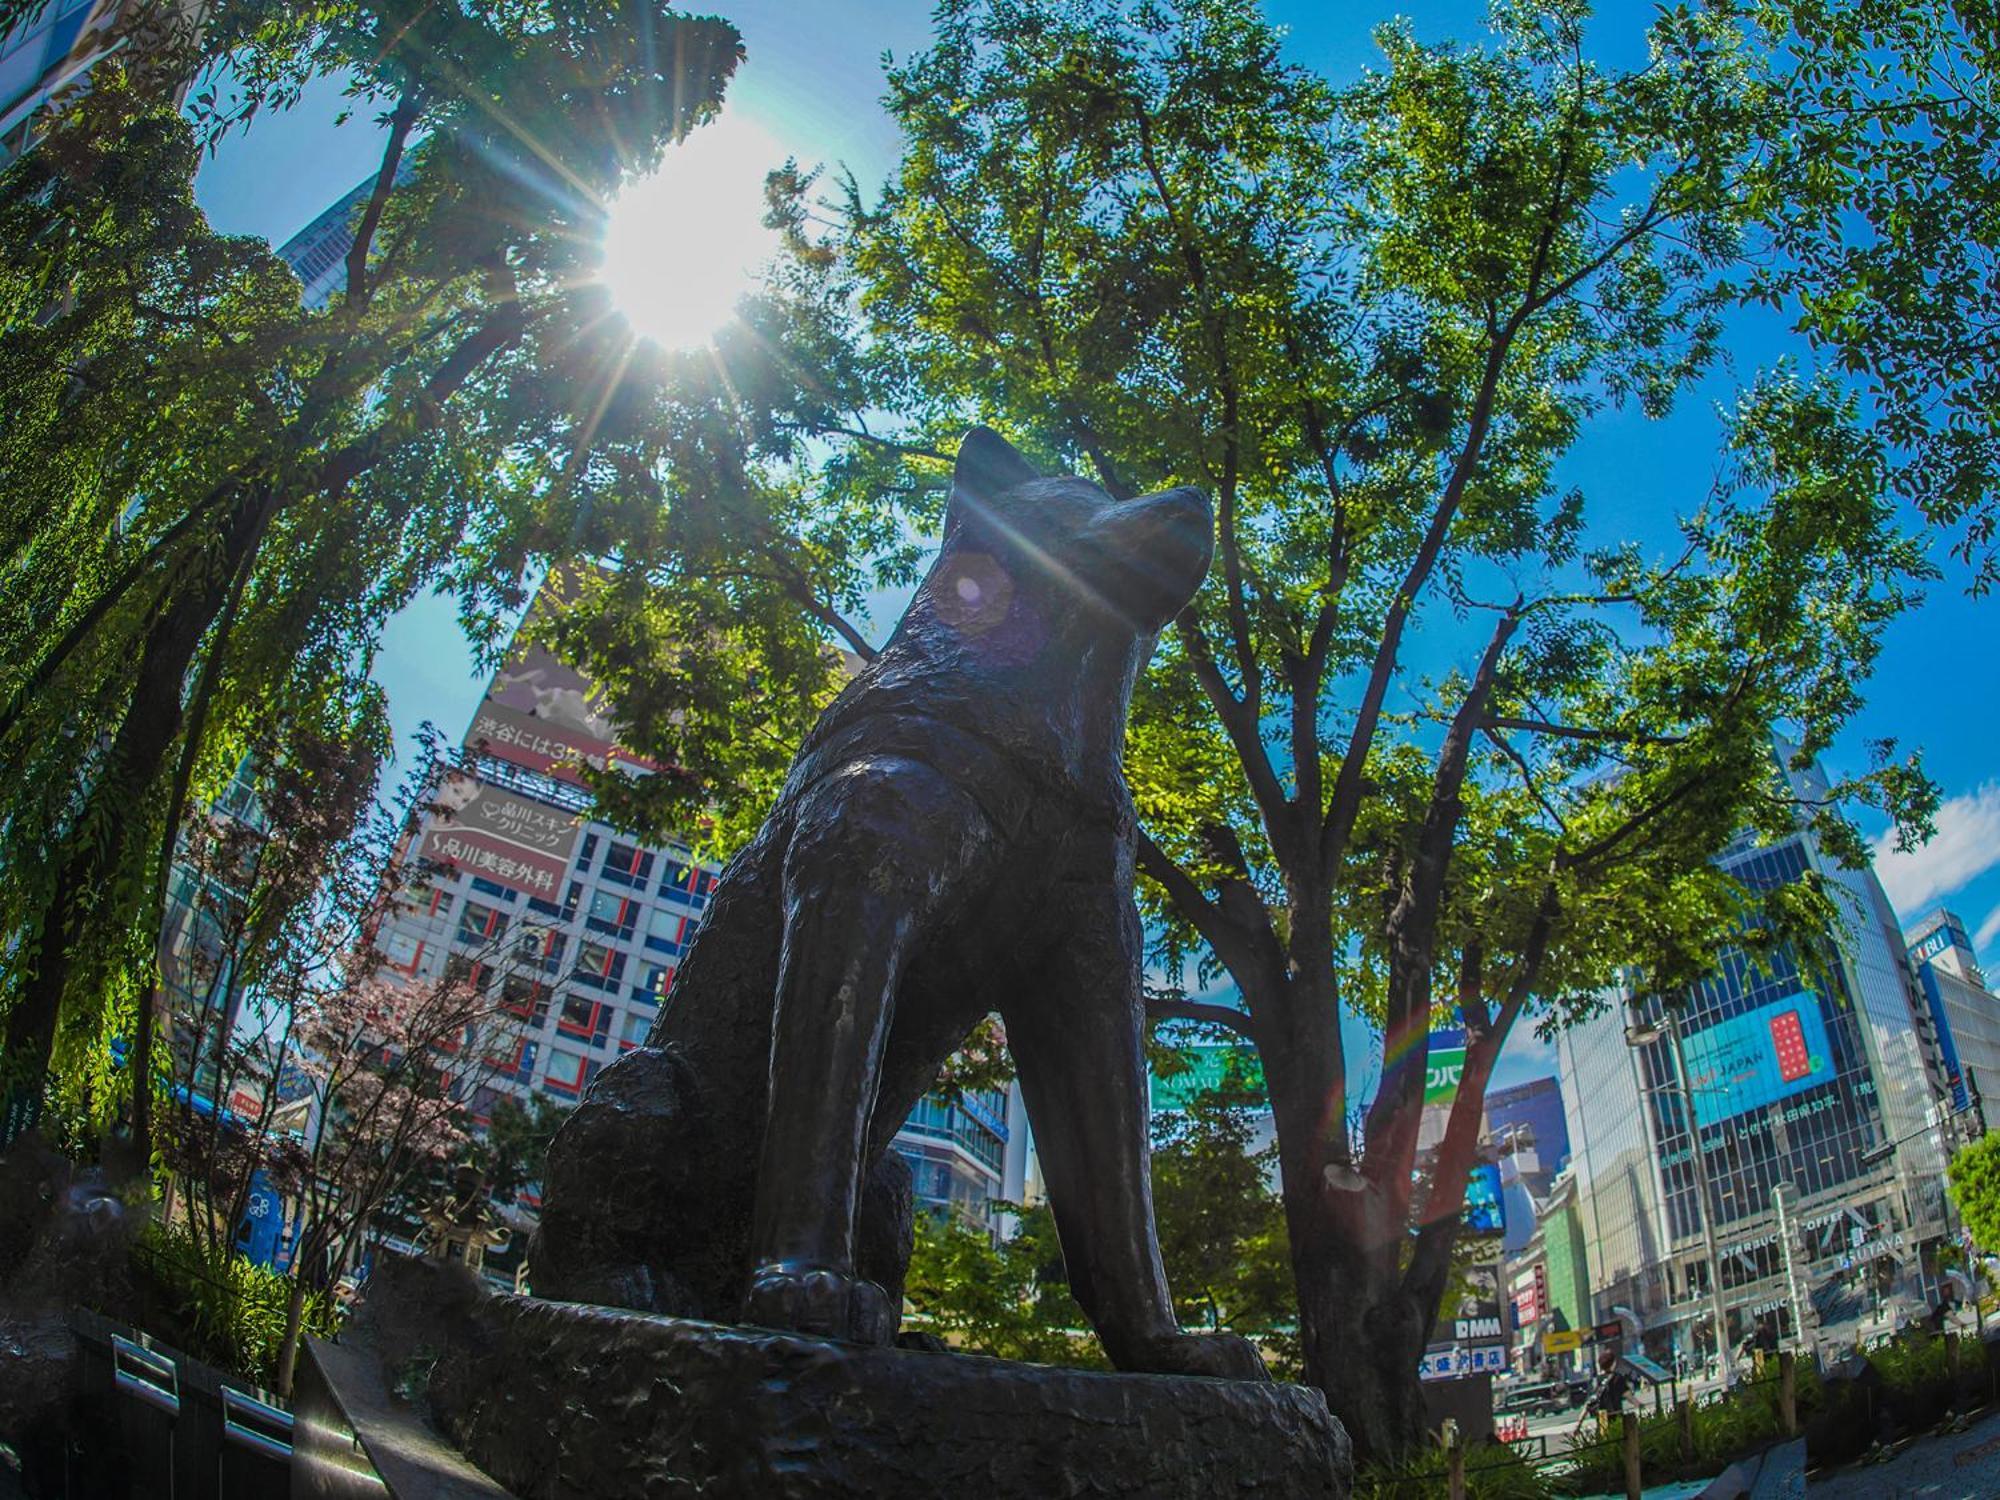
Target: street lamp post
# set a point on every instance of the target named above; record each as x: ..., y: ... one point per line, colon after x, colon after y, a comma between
x: 1792, y: 1296
x: 1637, y: 1035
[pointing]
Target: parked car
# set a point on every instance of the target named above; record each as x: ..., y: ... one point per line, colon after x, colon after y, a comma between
x: 1537, y: 1398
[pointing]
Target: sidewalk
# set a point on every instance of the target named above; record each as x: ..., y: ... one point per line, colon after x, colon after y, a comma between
x: 1960, y: 1466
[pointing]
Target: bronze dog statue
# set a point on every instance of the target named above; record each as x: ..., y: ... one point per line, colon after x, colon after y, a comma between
x: 955, y: 839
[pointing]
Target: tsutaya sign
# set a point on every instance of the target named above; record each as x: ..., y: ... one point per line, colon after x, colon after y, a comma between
x: 485, y: 830
x: 1444, y: 1066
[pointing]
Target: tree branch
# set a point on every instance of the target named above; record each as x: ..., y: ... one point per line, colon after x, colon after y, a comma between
x: 1246, y: 737
x: 1195, y: 1010
x: 1412, y: 930
x: 1243, y: 949
x: 1571, y: 732
x: 1346, y: 803
x: 401, y: 120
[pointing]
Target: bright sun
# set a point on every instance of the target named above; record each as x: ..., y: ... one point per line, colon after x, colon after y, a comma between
x: 683, y: 245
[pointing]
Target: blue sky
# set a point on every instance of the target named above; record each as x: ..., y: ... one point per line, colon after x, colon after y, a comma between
x: 811, y: 83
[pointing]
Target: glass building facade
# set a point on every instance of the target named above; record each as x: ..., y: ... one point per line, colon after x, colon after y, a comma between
x: 42, y: 56
x: 53, y: 52
x: 1815, y: 1113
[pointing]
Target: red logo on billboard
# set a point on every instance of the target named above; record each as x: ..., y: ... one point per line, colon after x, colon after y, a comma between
x: 1788, y: 1039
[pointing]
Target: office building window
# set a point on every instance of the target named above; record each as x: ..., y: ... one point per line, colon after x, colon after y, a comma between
x: 568, y: 1073
x: 524, y: 998
x: 612, y: 914
x: 583, y: 1018
x: 479, y: 924
x: 653, y: 981
x: 667, y: 929
x: 599, y: 966
x: 403, y: 952
x: 627, y: 865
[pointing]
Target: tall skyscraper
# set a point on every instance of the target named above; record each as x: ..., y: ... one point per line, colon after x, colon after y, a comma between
x: 317, y: 254
x: 1531, y: 1112
x: 1815, y: 1104
x: 1530, y: 1137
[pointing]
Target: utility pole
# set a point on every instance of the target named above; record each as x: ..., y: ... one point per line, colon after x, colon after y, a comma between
x: 1791, y: 1271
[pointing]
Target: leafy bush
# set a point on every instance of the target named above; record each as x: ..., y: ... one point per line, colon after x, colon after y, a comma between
x: 1008, y: 1300
x: 1906, y: 1385
x: 219, y: 1307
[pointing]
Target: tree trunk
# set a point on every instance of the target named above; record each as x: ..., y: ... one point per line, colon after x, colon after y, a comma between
x: 295, y: 1317
x: 1362, y: 1335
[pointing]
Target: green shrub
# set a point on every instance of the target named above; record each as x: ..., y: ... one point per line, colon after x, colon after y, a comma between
x: 218, y: 1307
x: 1721, y: 1433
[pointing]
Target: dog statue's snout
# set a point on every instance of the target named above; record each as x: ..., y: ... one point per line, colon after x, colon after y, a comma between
x: 1161, y: 544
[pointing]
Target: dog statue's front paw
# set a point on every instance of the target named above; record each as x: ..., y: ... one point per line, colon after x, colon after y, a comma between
x: 798, y: 1297
x: 1225, y: 1356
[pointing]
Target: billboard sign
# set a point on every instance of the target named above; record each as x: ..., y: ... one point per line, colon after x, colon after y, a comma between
x: 539, y: 744
x: 1462, y: 1359
x: 1758, y: 1058
x: 542, y: 713
x: 1470, y: 1337
x: 1444, y: 1066
x: 1485, y: 1209
x: 1215, y: 1065
x: 507, y: 838
x: 1530, y: 1295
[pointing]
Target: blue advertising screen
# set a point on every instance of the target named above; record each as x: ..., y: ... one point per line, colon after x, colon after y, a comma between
x: 1758, y: 1058
x: 1485, y: 1209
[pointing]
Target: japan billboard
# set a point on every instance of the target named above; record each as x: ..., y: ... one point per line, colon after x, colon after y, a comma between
x: 1485, y: 1206
x: 1764, y: 1055
x: 544, y: 745
x: 509, y: 839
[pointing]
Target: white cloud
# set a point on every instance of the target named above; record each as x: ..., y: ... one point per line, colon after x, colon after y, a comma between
x: 1967, y: 844
x: 1988, y: 931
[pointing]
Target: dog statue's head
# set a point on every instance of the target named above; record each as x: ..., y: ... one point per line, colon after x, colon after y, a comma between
x: 1014, y: 540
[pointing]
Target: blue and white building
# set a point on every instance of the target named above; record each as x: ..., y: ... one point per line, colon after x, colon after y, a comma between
x: 1964, y: 1012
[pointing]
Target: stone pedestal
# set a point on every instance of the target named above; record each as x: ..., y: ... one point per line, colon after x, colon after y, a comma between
x: 560, y: 1401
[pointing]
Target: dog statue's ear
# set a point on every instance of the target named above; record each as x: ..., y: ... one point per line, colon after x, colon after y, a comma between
x: 987, y: 466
